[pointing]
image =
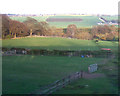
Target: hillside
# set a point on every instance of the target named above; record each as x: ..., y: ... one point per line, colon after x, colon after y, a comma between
x: 83, y: 20
x: 86, y: 21
x: 58, y: 43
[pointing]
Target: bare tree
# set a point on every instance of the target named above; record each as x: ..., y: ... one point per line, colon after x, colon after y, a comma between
x: 71, y: 30
x: 30, y: 23
x: 15, y: 28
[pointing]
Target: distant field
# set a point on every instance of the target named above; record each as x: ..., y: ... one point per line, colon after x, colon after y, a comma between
x: 23, y: 18
x: 25, y: 74
x: 63, y: 19
x: 40, y: 18
x: 87, y: 21
x: 110, y: 17
x: 84, y: 21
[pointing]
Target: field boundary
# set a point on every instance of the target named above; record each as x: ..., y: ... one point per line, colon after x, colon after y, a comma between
x: 41, y: 36
x: 58, y: 84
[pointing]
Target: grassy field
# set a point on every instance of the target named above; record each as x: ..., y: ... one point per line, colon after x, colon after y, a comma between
x: 95, y: 86
x: 88, y: 21
x: 24, y: 74
x: 105, y: 85
x: 58, y: 43
x: 50, y: 43
x: 23, y: 18
x: 110, y: 17
x: 109, y: 44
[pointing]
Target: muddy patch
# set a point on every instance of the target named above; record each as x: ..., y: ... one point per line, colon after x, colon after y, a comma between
x: 92, y: 75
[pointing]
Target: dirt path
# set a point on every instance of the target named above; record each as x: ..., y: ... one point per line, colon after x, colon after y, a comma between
x: 97, y: 75
x: 92, y: 75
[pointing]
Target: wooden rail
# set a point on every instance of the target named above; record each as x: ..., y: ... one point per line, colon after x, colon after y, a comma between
x: 49, y: 89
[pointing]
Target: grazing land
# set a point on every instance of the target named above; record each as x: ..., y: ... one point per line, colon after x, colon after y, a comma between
x: 24, y: 74
x: 58, y: 43
x: 62, y: 21
x: 85, y: 21
x: 105, y: 85
x: 110, y: 17
x: 50, y: 43
x: 24, y: 18
x: 27, y: 73
x: 36, y: 54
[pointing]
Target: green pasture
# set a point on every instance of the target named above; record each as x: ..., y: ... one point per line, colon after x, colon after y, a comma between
x: 40, y: 18
x: 50, y: 43
x: 21, y: 19
x: 89, y: 86
x: 110, y: 17
x: 87, y: 21
x: 104, y: 85
x: 24, y: 18
x: 109, y: 44
x: 25, y: 74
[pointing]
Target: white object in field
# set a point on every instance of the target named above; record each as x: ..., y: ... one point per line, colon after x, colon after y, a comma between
x: 92, y: 68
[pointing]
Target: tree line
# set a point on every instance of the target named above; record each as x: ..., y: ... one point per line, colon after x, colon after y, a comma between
x: 12, y: 29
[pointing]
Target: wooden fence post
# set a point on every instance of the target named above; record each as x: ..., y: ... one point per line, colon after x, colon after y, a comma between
x: 63, y: 82
x: 81, y: 74
x: 57, y: 84
x: 69, y: 79
x: 78, y: 74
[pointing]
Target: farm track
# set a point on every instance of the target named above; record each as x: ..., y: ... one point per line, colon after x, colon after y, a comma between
x: 92, y: 75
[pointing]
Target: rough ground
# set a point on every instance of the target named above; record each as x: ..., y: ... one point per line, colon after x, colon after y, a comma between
x: 92, y: 75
